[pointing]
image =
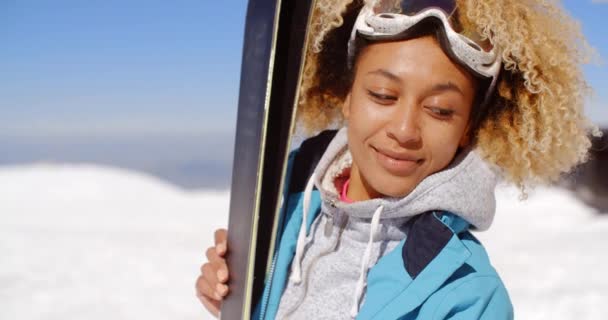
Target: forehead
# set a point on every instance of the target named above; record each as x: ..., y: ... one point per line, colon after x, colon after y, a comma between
x: 420, y: 58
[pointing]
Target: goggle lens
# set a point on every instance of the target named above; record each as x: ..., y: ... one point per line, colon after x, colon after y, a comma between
x: 449, y: 7
x: 412, y: 7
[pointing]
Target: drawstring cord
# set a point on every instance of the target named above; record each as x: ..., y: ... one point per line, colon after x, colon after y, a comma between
x: 296, y: 268
x: 365, y: 262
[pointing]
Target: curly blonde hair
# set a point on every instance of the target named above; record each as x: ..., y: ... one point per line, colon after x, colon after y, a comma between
x: 536, y: 129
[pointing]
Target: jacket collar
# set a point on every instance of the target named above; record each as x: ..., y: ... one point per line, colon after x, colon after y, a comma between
x: 434, y: 252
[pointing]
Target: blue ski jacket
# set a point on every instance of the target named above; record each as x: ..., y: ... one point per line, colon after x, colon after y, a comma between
x: 440, y: 271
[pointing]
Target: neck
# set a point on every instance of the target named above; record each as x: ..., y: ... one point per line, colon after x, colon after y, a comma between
x: 358, y: 188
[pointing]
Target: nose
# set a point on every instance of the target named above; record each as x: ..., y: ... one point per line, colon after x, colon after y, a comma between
x: 404, y: 126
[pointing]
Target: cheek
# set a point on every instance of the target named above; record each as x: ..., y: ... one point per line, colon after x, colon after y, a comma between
x: 367, y: 117
x: 363, y: 125
x: 442, y: 141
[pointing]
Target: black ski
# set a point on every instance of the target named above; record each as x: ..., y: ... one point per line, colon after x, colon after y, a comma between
x: 273, y: 50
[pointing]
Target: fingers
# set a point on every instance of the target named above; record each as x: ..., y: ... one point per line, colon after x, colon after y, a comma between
x: 205, y: 294
x: 221, y: 241
x: 219, y: 264
x: 211, y: 286
x: 210, y: 274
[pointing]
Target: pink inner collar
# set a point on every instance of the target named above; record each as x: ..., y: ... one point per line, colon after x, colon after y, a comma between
x: 343, y: 196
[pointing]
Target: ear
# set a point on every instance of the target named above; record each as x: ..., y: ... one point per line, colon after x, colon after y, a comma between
x: 346, y: 107
x: 465, y: 140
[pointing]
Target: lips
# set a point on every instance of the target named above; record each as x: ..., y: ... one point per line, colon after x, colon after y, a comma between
x: 397, y: 163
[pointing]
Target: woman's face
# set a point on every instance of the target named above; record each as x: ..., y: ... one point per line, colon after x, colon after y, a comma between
x: 408, y: 112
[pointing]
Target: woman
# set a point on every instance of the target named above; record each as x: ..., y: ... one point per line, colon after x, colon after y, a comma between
x: 439, y: 98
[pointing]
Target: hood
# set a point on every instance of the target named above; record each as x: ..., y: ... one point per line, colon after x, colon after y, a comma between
x: 465, y: 188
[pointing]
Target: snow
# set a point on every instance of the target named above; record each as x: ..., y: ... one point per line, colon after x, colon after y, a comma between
x: 91, y: 242
x: 551, y: 252
x: 86, y: 242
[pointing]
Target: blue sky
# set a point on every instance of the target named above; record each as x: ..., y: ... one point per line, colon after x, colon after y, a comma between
x: 104, y: 67
x: 593, y: 16
x: 141, y: 76
x: 147, y: 85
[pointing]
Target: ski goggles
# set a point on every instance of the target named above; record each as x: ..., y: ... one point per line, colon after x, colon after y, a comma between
x: 397, y: 19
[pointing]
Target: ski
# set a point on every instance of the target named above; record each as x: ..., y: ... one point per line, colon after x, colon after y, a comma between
x: 273, y: 52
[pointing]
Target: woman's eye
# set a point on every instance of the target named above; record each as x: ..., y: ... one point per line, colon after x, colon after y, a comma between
x: 441, y: 112
x: 382, y: 98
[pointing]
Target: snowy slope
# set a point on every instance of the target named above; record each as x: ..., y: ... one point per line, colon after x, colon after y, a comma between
x: 88, y: 242
x: 85, y: 242
x: 552, y: 253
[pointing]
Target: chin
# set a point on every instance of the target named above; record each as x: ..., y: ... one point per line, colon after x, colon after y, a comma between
x: 398, y: 193
x: 395, y: 188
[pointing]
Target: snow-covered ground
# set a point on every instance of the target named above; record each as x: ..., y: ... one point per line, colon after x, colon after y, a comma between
x: 552, y: 253
x: 89, y: 242
x: 86, y: 242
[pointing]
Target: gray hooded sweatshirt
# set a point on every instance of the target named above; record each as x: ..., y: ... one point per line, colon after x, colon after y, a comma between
x: 329, y: 270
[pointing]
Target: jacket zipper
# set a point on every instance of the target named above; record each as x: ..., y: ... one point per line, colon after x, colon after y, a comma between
x: 266, y: 296
x: 267, y: 289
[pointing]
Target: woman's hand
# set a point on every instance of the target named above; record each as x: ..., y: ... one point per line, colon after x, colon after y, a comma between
x: 211, y: 285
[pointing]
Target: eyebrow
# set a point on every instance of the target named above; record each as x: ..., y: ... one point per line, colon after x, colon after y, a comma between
x: 447, y: 86
x: 386, y: 74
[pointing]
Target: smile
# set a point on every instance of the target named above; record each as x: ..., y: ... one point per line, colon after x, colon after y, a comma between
x: 398, y: 164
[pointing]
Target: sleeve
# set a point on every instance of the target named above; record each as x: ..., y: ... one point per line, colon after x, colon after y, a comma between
x: 483, y: 297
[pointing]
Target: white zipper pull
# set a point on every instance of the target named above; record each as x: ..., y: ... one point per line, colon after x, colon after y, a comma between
x: 329, y: 226
x: 332, y: 203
